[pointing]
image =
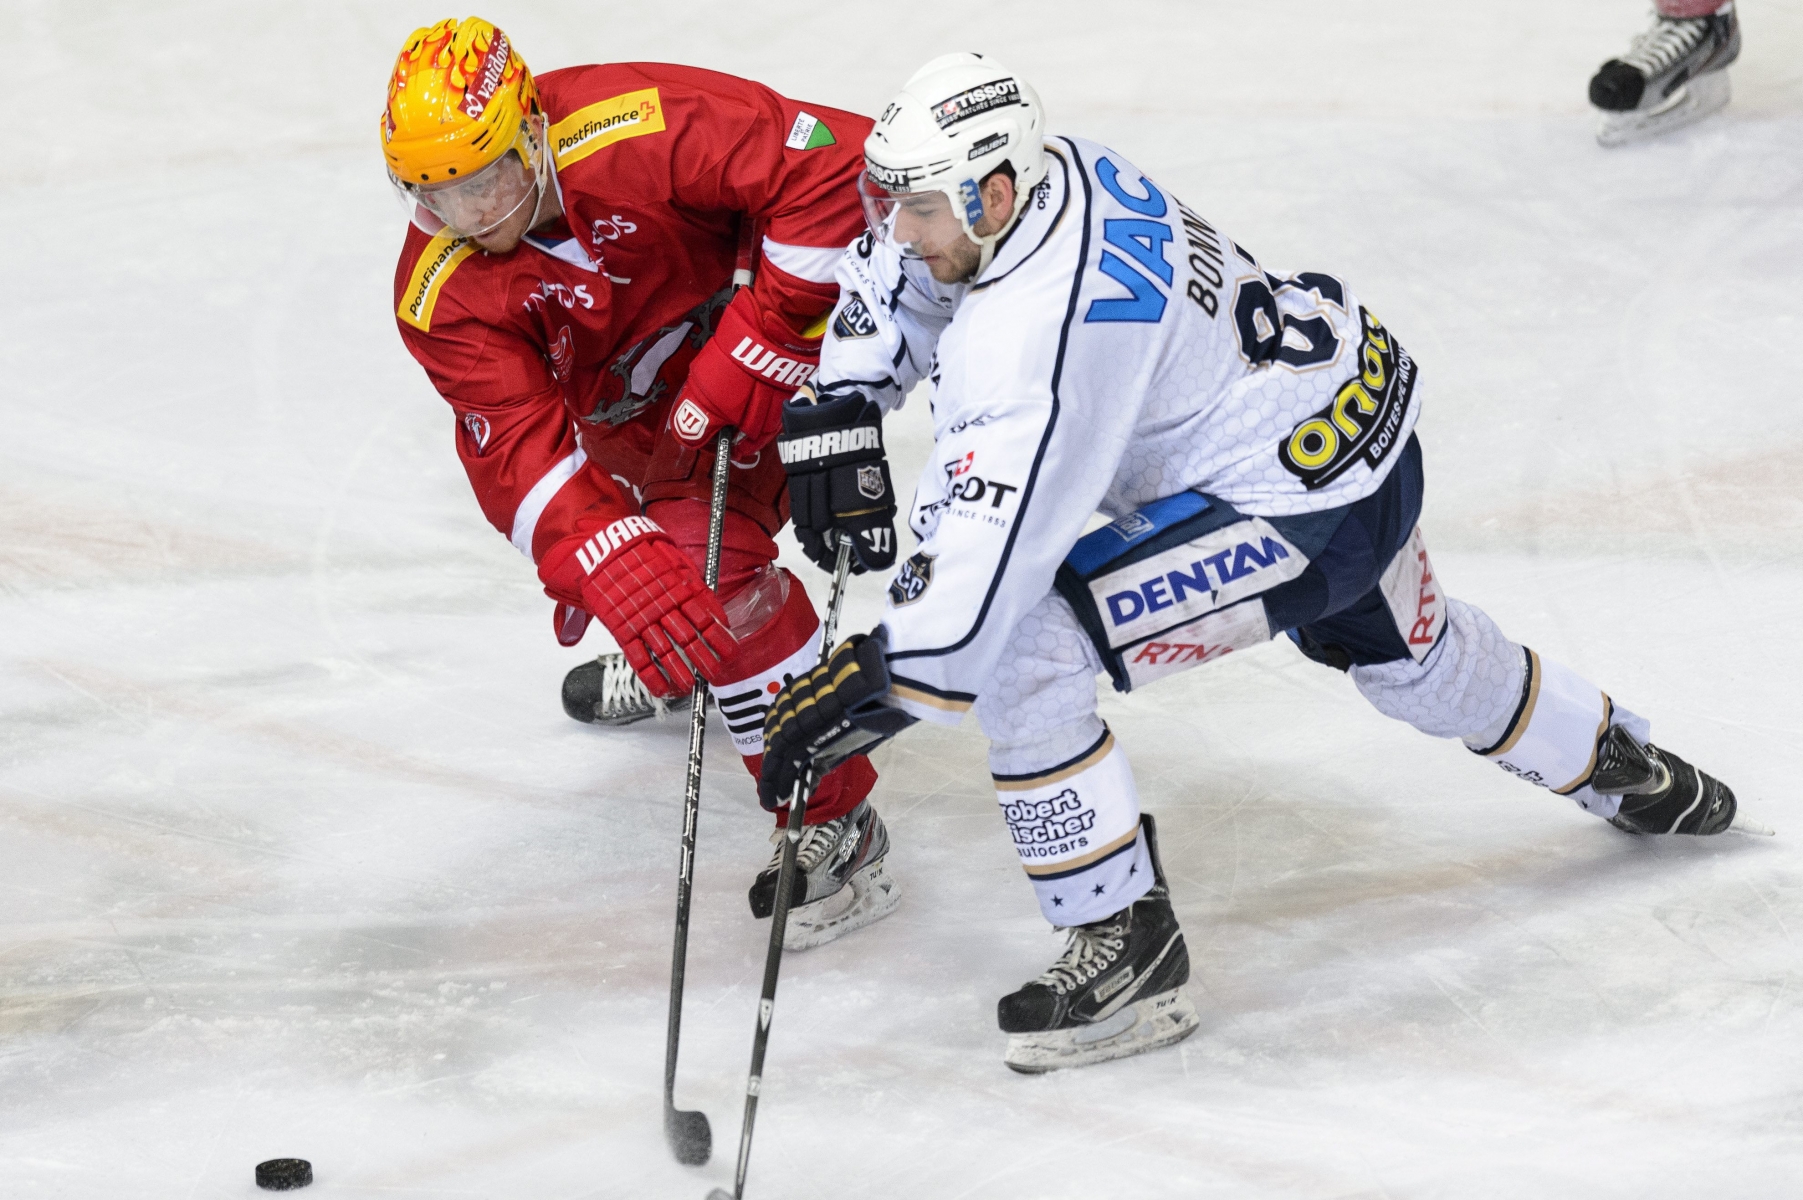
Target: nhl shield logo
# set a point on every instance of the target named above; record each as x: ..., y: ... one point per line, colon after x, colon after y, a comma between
x: 690, y: 422
x: 870, y: 482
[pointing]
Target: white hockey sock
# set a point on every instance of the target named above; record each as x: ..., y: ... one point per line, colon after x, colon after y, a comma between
x: 1076, y: 828
x: 1552, y: 736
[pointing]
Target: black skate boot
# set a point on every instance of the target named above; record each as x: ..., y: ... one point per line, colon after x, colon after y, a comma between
x: 1660, y: 792
x: 840, y: 884
x: 608, y: 692
x: 1675, y: 73
x: 1117, y: 989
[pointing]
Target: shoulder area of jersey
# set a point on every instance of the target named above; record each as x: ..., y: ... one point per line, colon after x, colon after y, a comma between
x: 642, y: 109
x: 434, y: 268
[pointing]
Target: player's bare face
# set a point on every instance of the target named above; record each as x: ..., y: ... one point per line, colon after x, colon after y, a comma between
x: 927, y: 226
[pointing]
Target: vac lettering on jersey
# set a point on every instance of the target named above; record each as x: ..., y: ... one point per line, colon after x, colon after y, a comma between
x: 1169, y: 589
x: 761, y: 360
x: 426, y: 284
x: 1362, y: 422
x: 1141, y: 239
x: 605, y: 122
x: 835, y: 441
x: 594, y: 552
x: 1036, y: 823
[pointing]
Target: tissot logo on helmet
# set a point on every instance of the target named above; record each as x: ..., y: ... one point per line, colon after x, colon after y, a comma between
x: 974, y: 101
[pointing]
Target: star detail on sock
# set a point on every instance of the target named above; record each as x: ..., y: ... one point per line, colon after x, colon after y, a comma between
x: 1100, y: 889
x: 1057, y: 901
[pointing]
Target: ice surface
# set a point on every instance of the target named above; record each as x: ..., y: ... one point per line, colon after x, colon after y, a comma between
x: 299, y: 856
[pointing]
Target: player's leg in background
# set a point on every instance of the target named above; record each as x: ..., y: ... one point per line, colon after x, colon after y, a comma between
x: 1444, y: 667
x: 1674, y: 73
x: 1067, y: 793
x: 841, y: 883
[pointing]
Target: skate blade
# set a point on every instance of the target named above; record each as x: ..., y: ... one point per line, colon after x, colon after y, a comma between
x: 1148, y: 1024
x: 1694, y: 101
x: 1750, y: 828
x: 867, y: 897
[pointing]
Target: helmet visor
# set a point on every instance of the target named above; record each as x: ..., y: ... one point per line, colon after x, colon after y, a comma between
x: 915, y: 223
x: 483, y: 202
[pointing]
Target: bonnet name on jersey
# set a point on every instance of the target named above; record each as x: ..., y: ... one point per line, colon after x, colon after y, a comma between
x: 594, y: 552
x: 426, y: 284
x: 605, y: 122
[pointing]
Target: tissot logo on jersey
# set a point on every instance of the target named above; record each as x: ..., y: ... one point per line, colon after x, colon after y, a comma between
x: 761, y: 360
x: 836, y: 441
x: 975, y: 101
x: 594, y: 552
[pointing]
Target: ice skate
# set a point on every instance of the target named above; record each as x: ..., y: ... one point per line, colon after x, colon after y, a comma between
x: 1660, y: 792
x: 1117, y: 990
x: 608, y: 692
x: 1674, y: 74
x: 840, y: 881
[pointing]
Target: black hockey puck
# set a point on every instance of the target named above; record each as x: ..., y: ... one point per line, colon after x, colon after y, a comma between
x: 284, y: 1174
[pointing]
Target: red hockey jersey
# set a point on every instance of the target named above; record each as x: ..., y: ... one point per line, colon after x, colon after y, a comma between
x: 571, y: 347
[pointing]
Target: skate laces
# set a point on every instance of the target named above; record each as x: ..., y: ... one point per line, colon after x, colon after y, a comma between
x: 621, y: 691
x: 1091, y: 950
x: 817, y: 841
x: 1665, y: 43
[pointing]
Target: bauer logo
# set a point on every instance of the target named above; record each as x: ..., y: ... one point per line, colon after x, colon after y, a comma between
x: 998, y: 93
x: 587, y: 130
x: 1197, y: 577
x: 994, y: 141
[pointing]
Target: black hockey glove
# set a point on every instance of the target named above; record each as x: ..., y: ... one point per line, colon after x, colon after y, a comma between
x: 832, y: 448
x: 827, y: 715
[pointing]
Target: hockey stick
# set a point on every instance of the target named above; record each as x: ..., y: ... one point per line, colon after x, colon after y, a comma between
x: 779, y: 917
x: 691, y: 1138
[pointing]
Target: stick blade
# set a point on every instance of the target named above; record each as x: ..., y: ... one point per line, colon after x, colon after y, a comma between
x: 720, y: 1194
x: 691, y: 1138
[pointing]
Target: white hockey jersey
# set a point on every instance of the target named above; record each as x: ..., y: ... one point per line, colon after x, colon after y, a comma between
x: 1117, y: 350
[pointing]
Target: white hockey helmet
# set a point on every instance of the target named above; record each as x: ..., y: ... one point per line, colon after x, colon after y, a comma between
x: 960, y: 118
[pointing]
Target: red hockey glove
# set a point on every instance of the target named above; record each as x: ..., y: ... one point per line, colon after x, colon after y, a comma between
x: 741, y: 378
x: 651, y: 598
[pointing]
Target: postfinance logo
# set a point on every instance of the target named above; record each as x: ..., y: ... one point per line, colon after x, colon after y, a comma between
x: 436, y: 262
x: 602, y: 124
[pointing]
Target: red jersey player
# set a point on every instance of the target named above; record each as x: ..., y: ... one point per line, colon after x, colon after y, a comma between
x: 567, y: 284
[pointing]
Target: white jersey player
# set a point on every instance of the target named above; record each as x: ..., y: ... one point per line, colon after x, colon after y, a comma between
x: 1095, y: 345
